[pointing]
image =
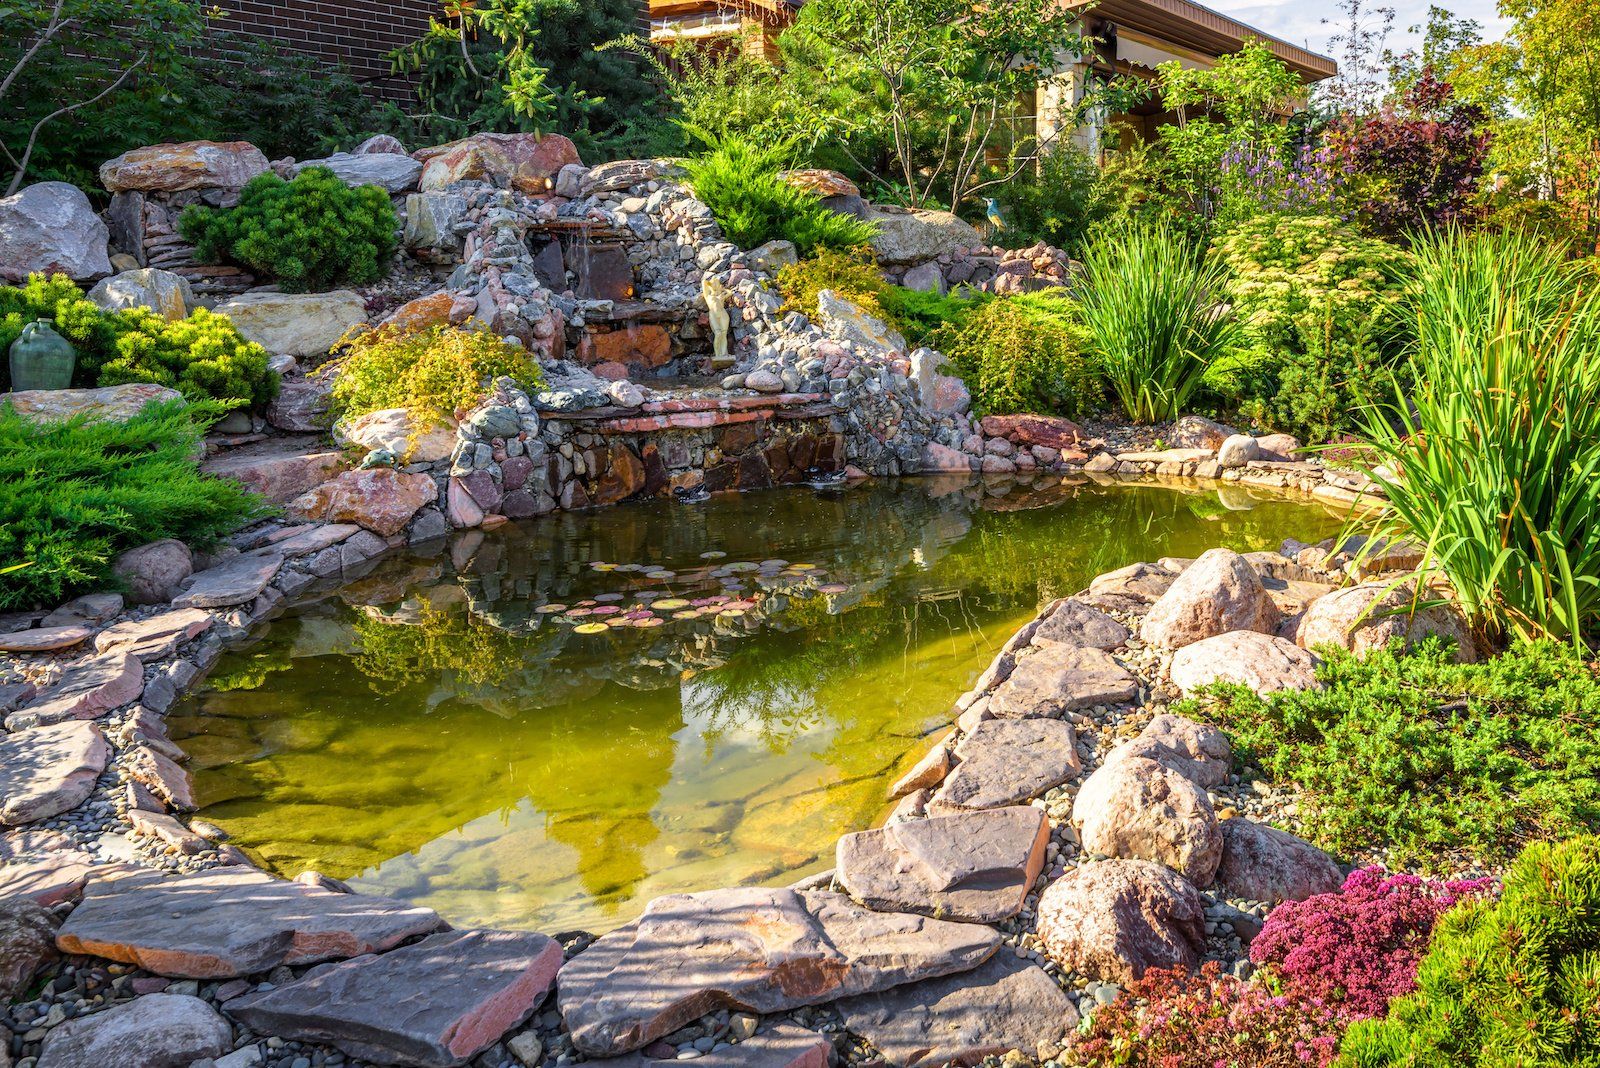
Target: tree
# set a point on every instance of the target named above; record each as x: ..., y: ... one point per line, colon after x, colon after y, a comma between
x: 943, y: 77
x: 1445, y: 39
x: 62, y: 57
x: 1358, y: 42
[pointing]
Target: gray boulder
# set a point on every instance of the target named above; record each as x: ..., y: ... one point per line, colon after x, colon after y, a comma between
x: 1116, y: 919
x: 163, y: 292
x: 907, y: 237
x: 394, y: 172
x: 155, y: 1031
x: 51, y: 227
x: 152, y: 574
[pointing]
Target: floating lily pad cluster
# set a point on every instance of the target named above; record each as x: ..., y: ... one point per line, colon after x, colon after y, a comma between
x: 711, y: 591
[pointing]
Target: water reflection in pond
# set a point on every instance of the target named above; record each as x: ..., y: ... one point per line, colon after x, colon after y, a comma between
x: 442, y: 731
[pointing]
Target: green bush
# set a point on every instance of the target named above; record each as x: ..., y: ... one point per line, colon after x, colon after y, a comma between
x: 1508, y: 983
x: 202, y: 356
x: 1023, y: 354
x: 1428, y: 759
x: 850, y: 273
x: 309, y: 233
x: 1493, y: 459
x: 1058, y: 204
x: 439, y: 372
x: 1318, y: 308
x: 1150, y: 302
x: 739, y: 181
x: 921, y: 313
x: 73, y: 495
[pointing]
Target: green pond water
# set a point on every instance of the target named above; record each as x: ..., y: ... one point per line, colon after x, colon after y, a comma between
x: 443, y: 731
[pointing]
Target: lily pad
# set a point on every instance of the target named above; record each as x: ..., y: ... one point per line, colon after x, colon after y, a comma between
x: 575, y: 613
x: 646, y: 624
x: 608, y: 596
x: 605, y: 610
x: 687, y: 613
x: 713, y: 554
x: 590, y: 628
x: 670, y: 603
x: 661, y: 575
x: 833, y: 587
x: 739, y: 606
x: 546, y: 609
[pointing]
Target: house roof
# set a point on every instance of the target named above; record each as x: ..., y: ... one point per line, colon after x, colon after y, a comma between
x: 1195, y: 26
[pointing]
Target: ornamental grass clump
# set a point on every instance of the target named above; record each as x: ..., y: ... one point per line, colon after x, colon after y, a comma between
x: 1152, y: 305
x: 438, y: 373
x: 1425, y: 760
x: 75, y: 494
x: 1506, y: 983
x: 1492, y: 461
x: 1358, y: 949
x: 1171, y: 1019
x: 309, y: 233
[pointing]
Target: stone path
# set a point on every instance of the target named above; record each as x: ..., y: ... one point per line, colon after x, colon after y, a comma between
x: 46, y: 771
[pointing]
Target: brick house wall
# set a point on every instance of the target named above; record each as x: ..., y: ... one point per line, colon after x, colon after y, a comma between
x: 358, y: 35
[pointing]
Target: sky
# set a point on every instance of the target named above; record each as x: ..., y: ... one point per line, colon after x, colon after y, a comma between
x: 1300, y: 21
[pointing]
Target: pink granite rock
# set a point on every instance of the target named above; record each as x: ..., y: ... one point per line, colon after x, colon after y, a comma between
x: 1218, y: 593
x: 1263, y: 662
x: 1116, y: 919
x: 381, y: 499
x: 527, y: 162
x: 172, y: 168
x: 1137, y: 809
x: 1262, y: 863
x: 45, y: 771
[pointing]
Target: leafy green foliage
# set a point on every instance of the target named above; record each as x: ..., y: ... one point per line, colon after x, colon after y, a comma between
x: 1495, y: 453
x: 1319, y: 311
x: 740, y: 182
x: 439, y: 372
x: 1426, y: 758
x: 73, y: 495
x: 308, y: 233
x: 920, y: 314
x: 1507, y: 983
x: 1025, y: 353
x: 1150, y: 301
x: 850, y: 273
x: 202, y: 356
x: 1058, y: 202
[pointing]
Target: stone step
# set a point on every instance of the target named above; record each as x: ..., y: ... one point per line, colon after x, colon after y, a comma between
x: 45, y: 771
x: 1007, y: 761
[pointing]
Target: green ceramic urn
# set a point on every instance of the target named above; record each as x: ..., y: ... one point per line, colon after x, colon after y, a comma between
x: 41, y: 358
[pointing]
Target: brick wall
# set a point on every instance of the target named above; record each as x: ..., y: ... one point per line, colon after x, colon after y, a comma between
x: 359, y: 35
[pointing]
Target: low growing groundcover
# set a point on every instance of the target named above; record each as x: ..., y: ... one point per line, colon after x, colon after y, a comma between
x: 1411, y: 753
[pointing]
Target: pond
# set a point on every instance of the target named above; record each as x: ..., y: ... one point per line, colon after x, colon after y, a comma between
x: 548, y: 726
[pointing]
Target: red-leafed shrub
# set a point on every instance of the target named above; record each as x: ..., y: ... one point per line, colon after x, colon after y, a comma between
x: 1416, y: 164
x: 1358, y: 949
x: 1171, y: 1019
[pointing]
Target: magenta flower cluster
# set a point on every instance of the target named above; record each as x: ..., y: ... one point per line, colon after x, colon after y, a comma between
x: 1358, y: 948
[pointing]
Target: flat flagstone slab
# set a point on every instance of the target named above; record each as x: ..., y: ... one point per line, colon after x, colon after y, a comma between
x: 43, y: 639
x: 1002, y: 1005
x: 43, y: 865
x: 155, y: 1031
x: 1007, y: 761
x: 1073, y: 622
x: 310, y: 539
x: 46, y: 771
x: 433, y: 1004
x: 785, y: 1046
x: 157, y: 637
x: 1059, y: 678
x: 228, y: 922
x: 751, y: 950
x: 235, y: 582
x: 84, y: 691
x: 972, y: 866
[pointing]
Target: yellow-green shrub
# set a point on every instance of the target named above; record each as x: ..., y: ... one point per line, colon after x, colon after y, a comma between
x: 437, y: 372
x: 1023, y: 354
x: 850, y: 273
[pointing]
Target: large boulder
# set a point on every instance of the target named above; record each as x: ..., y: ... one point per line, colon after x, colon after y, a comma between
x: 1218, y: 593
x: 1116, y: 919
x: 526, y: 162
x: 974, y: 866
x: 152, y: 573
x: 380, y: 498
x: 412, y: 439
x: 1263, y: 662
x: 1138, y: 809
x: 822, y: 183
x: 299, y: 324
x: 906, y: 237
x: 393, y: 172
x: 110, y: 404
x: 51, y: 227
x: 154, y: 1031
x: 1071, y: 622
x: 1369, y: 616
x: 1262, y: 863
x: 431, y: 223
x: 752, y: 949
x: 1049, y: 431
x: 434, y: 1004
x: 848, y: 322
x: 1198, y: 432
x: 1199, y: 751
x: 163, y: 292
x: 171, y: 168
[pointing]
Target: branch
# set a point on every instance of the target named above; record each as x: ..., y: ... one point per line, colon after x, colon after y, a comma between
x: 27, y: 152
x: 53, y: 27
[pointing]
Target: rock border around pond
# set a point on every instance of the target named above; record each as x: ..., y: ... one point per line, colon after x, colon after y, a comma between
x: 1072, y: 708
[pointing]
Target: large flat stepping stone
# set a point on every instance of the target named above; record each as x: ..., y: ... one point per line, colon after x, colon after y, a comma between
x: 1002, y: 1005
x: 157, y: 637
x: 155, y: 1031
x: 308, y: 539
x: 437, y: 1003
x: 43, y: 639
x: 973, y: 866
x: 235, y: 582
x: 1059, y: 678
x: 228, y: 922
x: 43, y: 865
x: 46, y: 771
x: 1008, y: 761
x: 85, y: 691
x: 1072, y: 622
x: 785, y: 1046
x: 750, y: 950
